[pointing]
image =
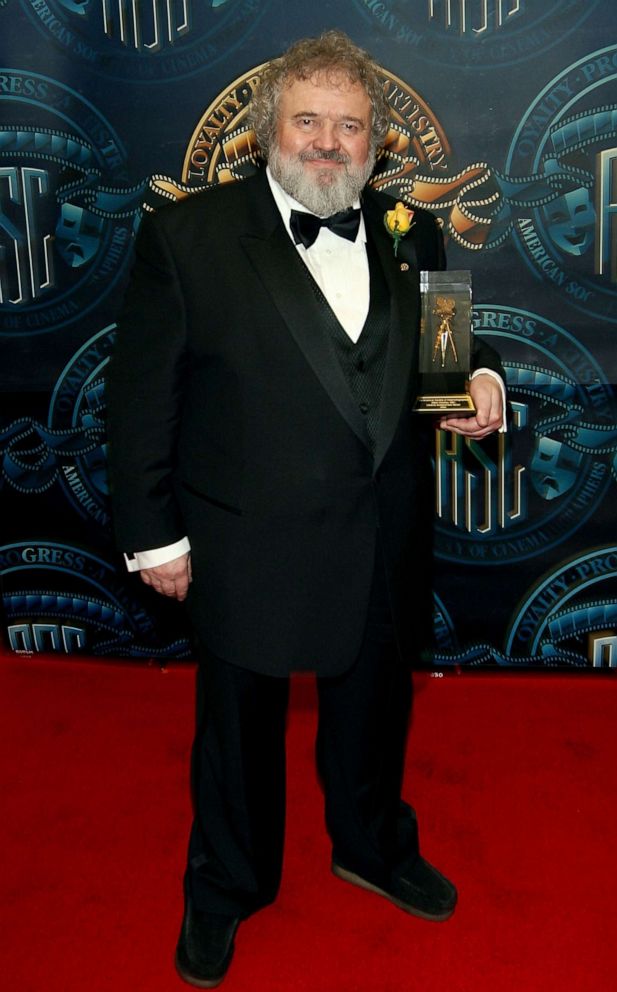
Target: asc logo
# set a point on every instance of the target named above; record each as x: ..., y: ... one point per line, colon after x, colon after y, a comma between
x: 567, y: 142
x: 65, y: 221
x: 551, y: 471
x: 155, y: 41
x: 476, y: 32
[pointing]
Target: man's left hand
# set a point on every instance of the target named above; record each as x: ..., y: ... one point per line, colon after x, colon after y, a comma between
x: 486, y: 395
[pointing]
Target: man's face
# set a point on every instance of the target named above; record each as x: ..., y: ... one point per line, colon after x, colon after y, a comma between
x: 322, y: 154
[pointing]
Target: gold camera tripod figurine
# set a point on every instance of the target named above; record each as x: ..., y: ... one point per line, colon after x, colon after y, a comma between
x: 445, y: 309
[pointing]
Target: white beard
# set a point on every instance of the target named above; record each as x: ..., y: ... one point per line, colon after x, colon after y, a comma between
x: 323, y: 192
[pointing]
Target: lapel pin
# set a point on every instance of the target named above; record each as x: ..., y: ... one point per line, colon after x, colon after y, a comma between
x: 404, y: 267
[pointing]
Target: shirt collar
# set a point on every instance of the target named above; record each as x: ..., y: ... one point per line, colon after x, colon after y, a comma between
x: 286, y: 204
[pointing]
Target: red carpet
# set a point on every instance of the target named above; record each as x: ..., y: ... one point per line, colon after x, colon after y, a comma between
x: 513, y: 776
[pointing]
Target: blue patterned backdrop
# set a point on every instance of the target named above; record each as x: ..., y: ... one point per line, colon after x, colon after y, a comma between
x: 504, y: 122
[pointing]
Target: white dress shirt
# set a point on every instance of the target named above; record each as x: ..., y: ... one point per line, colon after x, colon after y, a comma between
x: 340, y: 269
x: 338, y: 266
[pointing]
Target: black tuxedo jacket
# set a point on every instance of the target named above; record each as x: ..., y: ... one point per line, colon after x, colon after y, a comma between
x: 231, y: 421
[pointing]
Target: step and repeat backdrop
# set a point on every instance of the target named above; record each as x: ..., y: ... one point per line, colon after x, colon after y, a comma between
x: 504, y: 123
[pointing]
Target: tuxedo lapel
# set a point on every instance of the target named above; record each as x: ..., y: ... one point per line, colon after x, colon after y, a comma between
x: 284, y: 275
x: 402, y: 277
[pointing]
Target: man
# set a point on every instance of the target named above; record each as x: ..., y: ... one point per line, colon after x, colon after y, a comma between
x: 260, y: 414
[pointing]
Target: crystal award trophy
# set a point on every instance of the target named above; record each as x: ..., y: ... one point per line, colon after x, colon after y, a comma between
x: 445, y: 344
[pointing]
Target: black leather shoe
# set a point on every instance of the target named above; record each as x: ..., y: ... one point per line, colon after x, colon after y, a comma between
x: 419, y: 889
x: 205, y: 947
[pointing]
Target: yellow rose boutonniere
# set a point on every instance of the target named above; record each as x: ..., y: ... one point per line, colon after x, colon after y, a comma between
x: 398, y: 222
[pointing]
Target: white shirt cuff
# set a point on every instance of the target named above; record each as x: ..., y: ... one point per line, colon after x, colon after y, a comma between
x: 497, y: 377
x: 157, y: 556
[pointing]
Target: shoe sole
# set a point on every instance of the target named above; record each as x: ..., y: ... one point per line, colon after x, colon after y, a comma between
x: 198, y: 983
x: 350, y: 876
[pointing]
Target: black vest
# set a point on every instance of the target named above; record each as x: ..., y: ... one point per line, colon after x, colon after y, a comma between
x: 364, y: 362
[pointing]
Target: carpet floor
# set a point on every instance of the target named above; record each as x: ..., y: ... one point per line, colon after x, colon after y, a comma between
x: 513, y: 776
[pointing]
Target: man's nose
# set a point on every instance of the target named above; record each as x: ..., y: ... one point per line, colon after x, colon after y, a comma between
x: 328, y: 138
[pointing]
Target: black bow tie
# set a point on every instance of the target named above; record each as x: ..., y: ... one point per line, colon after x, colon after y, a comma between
x: 306, y: 227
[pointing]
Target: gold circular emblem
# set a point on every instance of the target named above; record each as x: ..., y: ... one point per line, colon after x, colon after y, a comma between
x: 222, y: 147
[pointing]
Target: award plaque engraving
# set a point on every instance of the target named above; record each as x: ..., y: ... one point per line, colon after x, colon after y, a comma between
x: 445, y: 344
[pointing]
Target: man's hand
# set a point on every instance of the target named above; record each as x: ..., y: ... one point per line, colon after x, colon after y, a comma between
x: 170, y: 579
x: 486, y: 395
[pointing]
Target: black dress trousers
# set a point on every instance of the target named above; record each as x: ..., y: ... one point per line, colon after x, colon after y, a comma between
x: 236, y: 844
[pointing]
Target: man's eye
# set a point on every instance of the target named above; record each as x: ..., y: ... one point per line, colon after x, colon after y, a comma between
x: 349, y: 128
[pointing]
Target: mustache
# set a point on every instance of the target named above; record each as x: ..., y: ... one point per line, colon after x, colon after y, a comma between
x: 329, y: 155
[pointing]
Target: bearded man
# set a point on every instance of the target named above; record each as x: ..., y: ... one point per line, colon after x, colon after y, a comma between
x: 267, y: 465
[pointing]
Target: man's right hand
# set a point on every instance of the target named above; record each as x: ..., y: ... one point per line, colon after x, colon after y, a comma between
x: 171, y: 579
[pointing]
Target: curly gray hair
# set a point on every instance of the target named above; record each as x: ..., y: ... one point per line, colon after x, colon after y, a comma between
x: 332, y: 54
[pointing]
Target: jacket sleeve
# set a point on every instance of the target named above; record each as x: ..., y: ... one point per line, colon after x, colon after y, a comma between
x: 144, y: 397
x: 485, y: 357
